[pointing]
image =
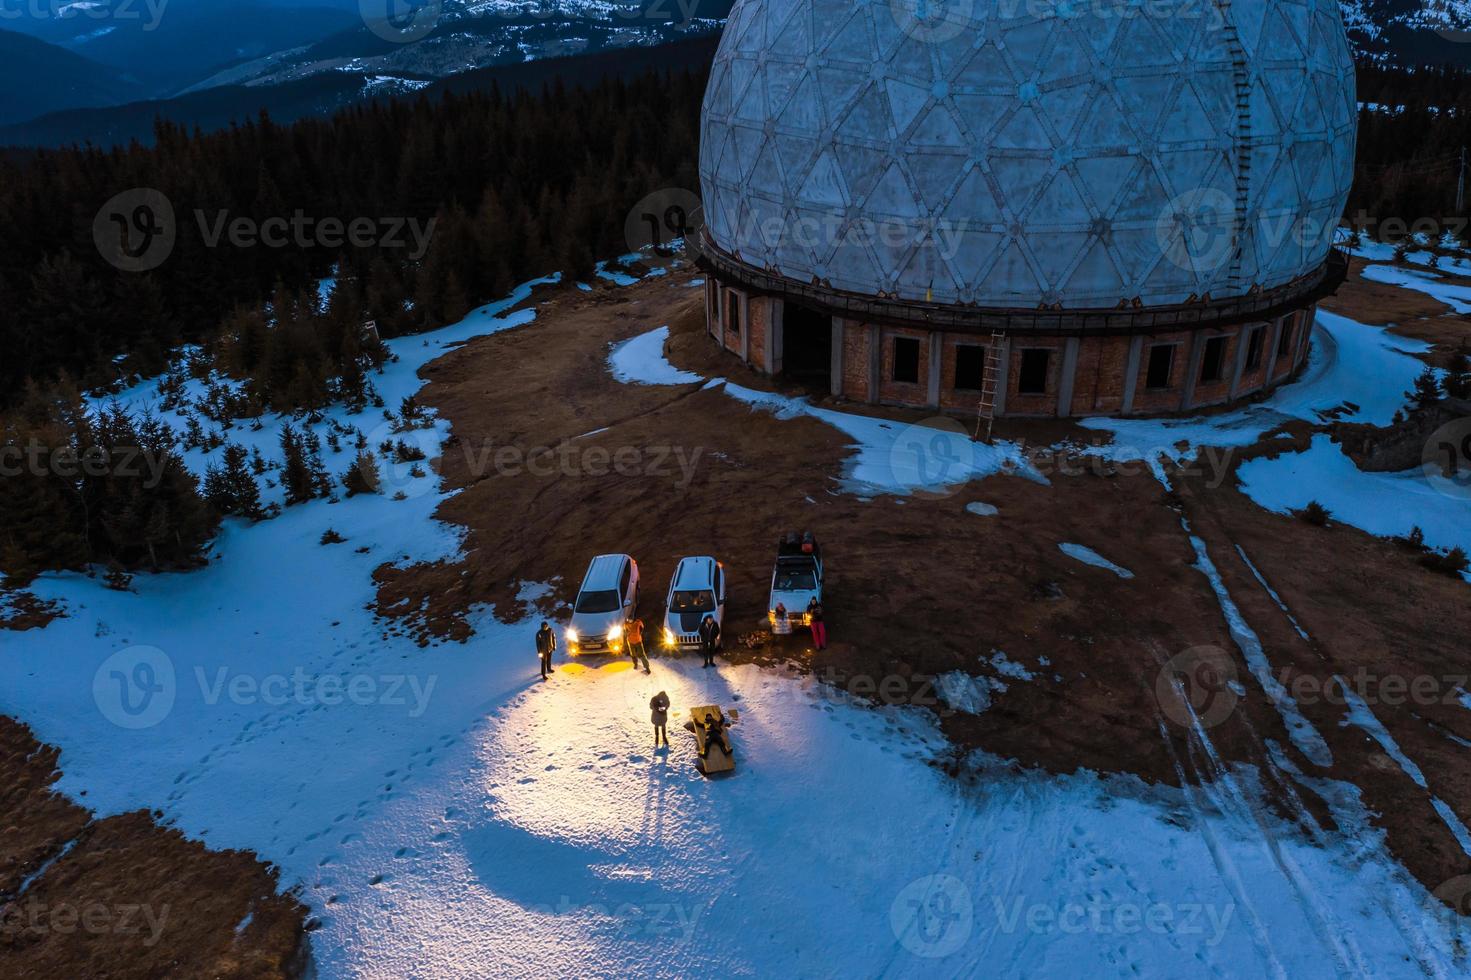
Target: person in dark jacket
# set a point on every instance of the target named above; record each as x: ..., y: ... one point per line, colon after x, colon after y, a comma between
x: 659, y: 715
x: 819, y: 627
x: 709, y: 637
x: 546, y: 642
x: 715, y: 732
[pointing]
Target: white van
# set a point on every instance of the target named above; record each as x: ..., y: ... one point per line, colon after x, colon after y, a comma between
x: 605, y: 604
x: 697, y: 590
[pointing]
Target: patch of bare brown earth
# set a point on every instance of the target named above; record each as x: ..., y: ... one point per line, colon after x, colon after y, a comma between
x: 918, y: 586
x: 122, y: 897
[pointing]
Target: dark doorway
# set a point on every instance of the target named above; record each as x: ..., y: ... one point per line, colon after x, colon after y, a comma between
x: 807, y: 347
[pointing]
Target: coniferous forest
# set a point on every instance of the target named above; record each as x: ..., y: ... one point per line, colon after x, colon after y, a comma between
x: 515, y: 185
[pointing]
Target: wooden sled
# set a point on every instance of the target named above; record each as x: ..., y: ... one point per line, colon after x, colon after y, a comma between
x: 717, y: 760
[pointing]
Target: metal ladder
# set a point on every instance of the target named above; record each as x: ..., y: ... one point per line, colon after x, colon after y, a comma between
x: 990, y: 378
x: 1241, y: 73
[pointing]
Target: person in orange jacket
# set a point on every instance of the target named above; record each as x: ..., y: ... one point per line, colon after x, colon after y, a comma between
x: 635, y: 640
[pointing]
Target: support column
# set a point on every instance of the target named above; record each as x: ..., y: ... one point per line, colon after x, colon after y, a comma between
x: 772, y: 355
x: 1277, y: 329
x: 1003, y: 379
x: 1192, y: 368
x: 1309, y: 317
x: 835, y: 364
x: 875, y: 363
x: 743, y: 318
x: 937, y: 349
x: 1131, y: 374
x: 1244, y: 334
x: 1068, y: 377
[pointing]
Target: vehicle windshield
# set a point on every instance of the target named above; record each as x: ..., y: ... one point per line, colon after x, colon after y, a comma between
x: 693, y: 600
x: 605, y: 601
x: 795, y: 580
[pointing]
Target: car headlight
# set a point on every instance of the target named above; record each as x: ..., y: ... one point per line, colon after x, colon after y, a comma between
x: 571, y: 635
x: 615, y: 631
x: 669, y: 638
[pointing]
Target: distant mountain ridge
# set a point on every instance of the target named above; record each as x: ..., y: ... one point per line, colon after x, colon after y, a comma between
x: 214, y: 63
x: 325, y: 93
x: 48, y: 78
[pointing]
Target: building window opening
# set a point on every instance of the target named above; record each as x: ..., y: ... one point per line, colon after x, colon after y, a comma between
x: 1254, y: 348
x: 1213, y: 364
x: 807, y: 346
x: 970, y: 367
x: 1032, y: 379
x: 1161, y: 365
x: 1284, y: 346
x: 906, y: 360
x: 732, y: 311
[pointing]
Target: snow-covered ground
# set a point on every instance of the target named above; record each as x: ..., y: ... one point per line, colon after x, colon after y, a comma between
x: 641, y: 361
x: 1454, y: 295
x: 1386, y: 504
x: 448, y: 814
x: 1355, y: 373
x: 1088, y: 556
x: 933, y: 456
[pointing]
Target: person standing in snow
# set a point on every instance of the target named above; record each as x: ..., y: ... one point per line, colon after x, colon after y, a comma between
x: 636, y: 644
x: 546, y: 642
x: 819, y: 628
x: 709, y: 637
x: 659, y: 715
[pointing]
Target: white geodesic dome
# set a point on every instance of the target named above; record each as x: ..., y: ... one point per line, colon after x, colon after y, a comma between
x: 1081, y: 152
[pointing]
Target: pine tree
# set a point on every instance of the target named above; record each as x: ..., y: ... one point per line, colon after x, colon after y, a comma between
x: 1458, y: 375
x: 363, y: 476
x: 297, y: 477
x: 1427, y: 391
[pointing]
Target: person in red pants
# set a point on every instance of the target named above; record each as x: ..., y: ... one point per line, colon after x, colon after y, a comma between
x: 819, y: 628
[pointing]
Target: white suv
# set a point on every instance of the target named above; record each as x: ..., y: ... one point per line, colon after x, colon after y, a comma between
x: 697, y: 590
x: 605, y: 604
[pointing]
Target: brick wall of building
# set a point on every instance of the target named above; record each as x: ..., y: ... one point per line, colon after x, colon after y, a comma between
x: 730, y: 303
x: 1217, y: 391
x: 1149, y: 400
x: 898, y: 392
x: 758, y: 325
x: 855, y: 361
x: 952, y: 398
x: 1102, y: 369
x: 1043, y: 404
x: 1100, y: 374
x: 1292, y: 333
x: 1252, y: 378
